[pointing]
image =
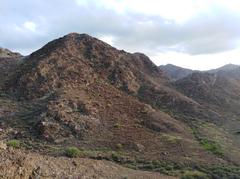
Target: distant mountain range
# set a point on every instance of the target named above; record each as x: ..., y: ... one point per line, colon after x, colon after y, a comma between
x: 175, y: 72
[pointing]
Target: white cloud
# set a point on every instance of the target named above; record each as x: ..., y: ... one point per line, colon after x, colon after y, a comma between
x: 198, y: 62
x: 26, y: 26
x: 179, y: 11
x: 29, y: 25
x: 108, y: 39
x: 170, y: 31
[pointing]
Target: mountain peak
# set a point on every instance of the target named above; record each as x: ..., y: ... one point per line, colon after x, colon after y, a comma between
x: 225, y: 68
x: 74, y: 35
x: 229, y: 66
x: 175, y: 72
x: 5, y: 53
x: 72, y: 42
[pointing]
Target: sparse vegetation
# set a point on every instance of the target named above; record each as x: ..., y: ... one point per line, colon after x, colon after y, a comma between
x: 171, y: 138
x: 118, y: 125
x: 14, y: 143
x: 194, y: 175
x: 212, y: 146
x: 209, y: 145
x: 72, y: 152
x: 116, y: 157
x: 119, y: 146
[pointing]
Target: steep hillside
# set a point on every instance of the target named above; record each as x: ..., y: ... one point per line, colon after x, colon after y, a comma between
x: 212, y: 89
x: 220, y: 93
x: 82, y: 61
x: 8, y: 63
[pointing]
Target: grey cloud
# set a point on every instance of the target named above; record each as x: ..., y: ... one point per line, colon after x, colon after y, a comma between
x: 206, y: 33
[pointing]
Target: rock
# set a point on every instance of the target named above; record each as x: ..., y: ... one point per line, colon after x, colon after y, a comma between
x: 3, y: 146
x: 139, y: 147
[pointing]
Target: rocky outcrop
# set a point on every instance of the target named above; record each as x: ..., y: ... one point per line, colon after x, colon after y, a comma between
x: 5, y: 53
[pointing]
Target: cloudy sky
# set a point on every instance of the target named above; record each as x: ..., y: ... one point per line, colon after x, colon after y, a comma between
x: 197, y: 34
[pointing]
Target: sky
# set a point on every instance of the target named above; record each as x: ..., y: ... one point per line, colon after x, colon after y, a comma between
x: 196, y: 34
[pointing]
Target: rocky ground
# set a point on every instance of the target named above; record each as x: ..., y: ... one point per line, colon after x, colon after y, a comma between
x: 18, y: 164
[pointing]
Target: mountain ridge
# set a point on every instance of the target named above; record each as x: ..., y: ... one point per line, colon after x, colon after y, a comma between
x: 175, y: 73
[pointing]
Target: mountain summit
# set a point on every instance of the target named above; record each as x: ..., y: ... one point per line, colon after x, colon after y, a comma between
x: 5, y: 53
x: 79, y: 59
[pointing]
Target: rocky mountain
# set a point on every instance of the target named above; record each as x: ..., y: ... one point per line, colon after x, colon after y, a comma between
x: 8, y: 62
x: 174, y: 72
x: 229, y: 71
x: 92, y: 95
x: 212, y: 89
x: 225, y: 68
x: 218, y: 86
x: 5, y: 53
x: 219, y: 92
x: 77, y: 91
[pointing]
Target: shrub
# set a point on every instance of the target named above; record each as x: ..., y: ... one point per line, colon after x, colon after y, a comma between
x: 194, y: 175
x: 72, y: 152
x: 119, y: 146
x: 212, y: 146
x: 117, y: 125
x: 14, y: 143
x: 116, y: 157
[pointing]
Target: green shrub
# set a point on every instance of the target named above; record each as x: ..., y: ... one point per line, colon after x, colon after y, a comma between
x: 119, y: 146
x: 14, y: 143
x: 212, y: 146
x: 118, y: 125
x: 116, y: 157
x: 72, y: 152
x: 194, y: 175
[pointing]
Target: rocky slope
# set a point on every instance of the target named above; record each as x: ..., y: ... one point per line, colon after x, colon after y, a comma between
x: 219, y: 92
x: 8, y: 62
x: 19, y: 165
x: 5, y: 53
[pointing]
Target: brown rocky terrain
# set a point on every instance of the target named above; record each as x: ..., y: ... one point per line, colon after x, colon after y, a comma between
x: 5, y: 53
x: 92, y: 97
x: 18, y: 165
x: 8, y: 62
x: 220, y: 93
x: 113, y: 105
